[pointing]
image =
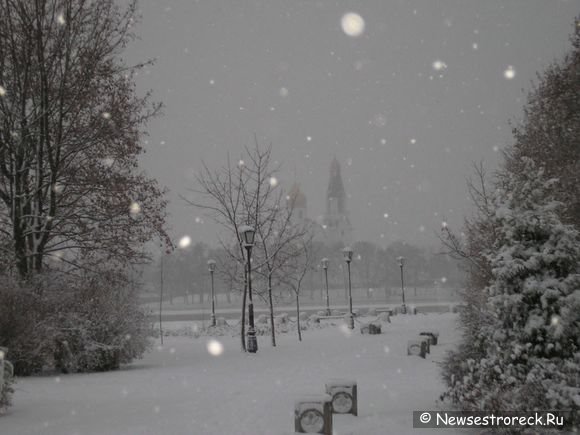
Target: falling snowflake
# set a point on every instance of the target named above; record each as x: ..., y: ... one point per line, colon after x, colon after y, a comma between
x: 444, y: 280
x: 212, y: 82
x: 475, y: 46
x: 386, y: 215
x: 554, y: 320
x: 2, y: 91
x: 352, y: 24
x: 185, y: 242
x: 198, y: 220
x: 443, y: 224
x: 58, y: 188
x: 241, y: 163
x: 134, y: 208
x: 383, y: 141
x: 215, y: 348
x: 439, y: 65
x: 283, y: 92
x: 106, y: 115
x: 422, y: 228
x: 273, y: 181
x: 309, y: 138
x: 509, y: 73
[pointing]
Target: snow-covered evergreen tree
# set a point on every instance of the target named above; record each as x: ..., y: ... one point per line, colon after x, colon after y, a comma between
x: 532, y: 338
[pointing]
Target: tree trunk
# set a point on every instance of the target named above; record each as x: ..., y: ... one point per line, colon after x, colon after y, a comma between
x: 298, y: 317
x: 271, y: 310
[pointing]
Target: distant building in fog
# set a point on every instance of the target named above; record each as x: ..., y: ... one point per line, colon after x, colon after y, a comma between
x: 297, y: 199
x: 334, y: 227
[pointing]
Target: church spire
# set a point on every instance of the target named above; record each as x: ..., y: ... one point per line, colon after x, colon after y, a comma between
x: 335, y: 194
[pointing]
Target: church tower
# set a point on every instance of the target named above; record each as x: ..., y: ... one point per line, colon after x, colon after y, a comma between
x: 335, y: 223
x: 297, y: 200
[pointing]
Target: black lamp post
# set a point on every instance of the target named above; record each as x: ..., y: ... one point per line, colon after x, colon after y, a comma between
x: 324, y: 262
x: 401, y: 261
x: 347, y: 253
x: 211, y: 267
x: 248, y: 233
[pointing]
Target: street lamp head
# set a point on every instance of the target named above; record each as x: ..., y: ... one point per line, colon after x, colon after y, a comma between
x: 347, y: 253
x: 401, y: 261
x: 211, y: 265
x: 248, y: 234
x: 324, y: 262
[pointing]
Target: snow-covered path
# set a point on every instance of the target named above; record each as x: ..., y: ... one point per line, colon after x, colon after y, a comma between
x: 182, y: 389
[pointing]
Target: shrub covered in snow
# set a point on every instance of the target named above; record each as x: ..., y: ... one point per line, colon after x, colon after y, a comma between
x: 6, y: 389
x: 529, y: 345
x: 73, y: 325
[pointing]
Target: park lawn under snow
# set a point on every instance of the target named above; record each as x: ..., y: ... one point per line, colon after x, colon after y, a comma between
x: 181, y: 388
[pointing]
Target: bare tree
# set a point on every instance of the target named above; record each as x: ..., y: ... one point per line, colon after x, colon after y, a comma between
x: 70, y: 129
x: 248, y: 194
x: 298, y: 261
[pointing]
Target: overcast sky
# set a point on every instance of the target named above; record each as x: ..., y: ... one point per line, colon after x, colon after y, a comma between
x: 427, y: 87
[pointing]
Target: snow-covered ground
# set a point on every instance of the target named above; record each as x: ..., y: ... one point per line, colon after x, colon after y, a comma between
x: 181, y: 388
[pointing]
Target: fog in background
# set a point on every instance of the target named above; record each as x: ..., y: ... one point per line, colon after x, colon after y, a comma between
x: 427, y: 88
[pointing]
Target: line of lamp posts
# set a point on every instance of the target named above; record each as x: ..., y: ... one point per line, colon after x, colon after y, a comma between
x: 248, y: 234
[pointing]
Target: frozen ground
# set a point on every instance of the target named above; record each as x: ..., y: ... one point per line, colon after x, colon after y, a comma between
x: 183, y: 389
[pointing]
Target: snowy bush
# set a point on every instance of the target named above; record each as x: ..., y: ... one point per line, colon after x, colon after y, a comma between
x: 6, y: 392
x: 6, y: 389
x: 27, y: 324
x: 281, y: 319
x: 72, y: 325
x: 526, y: 354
